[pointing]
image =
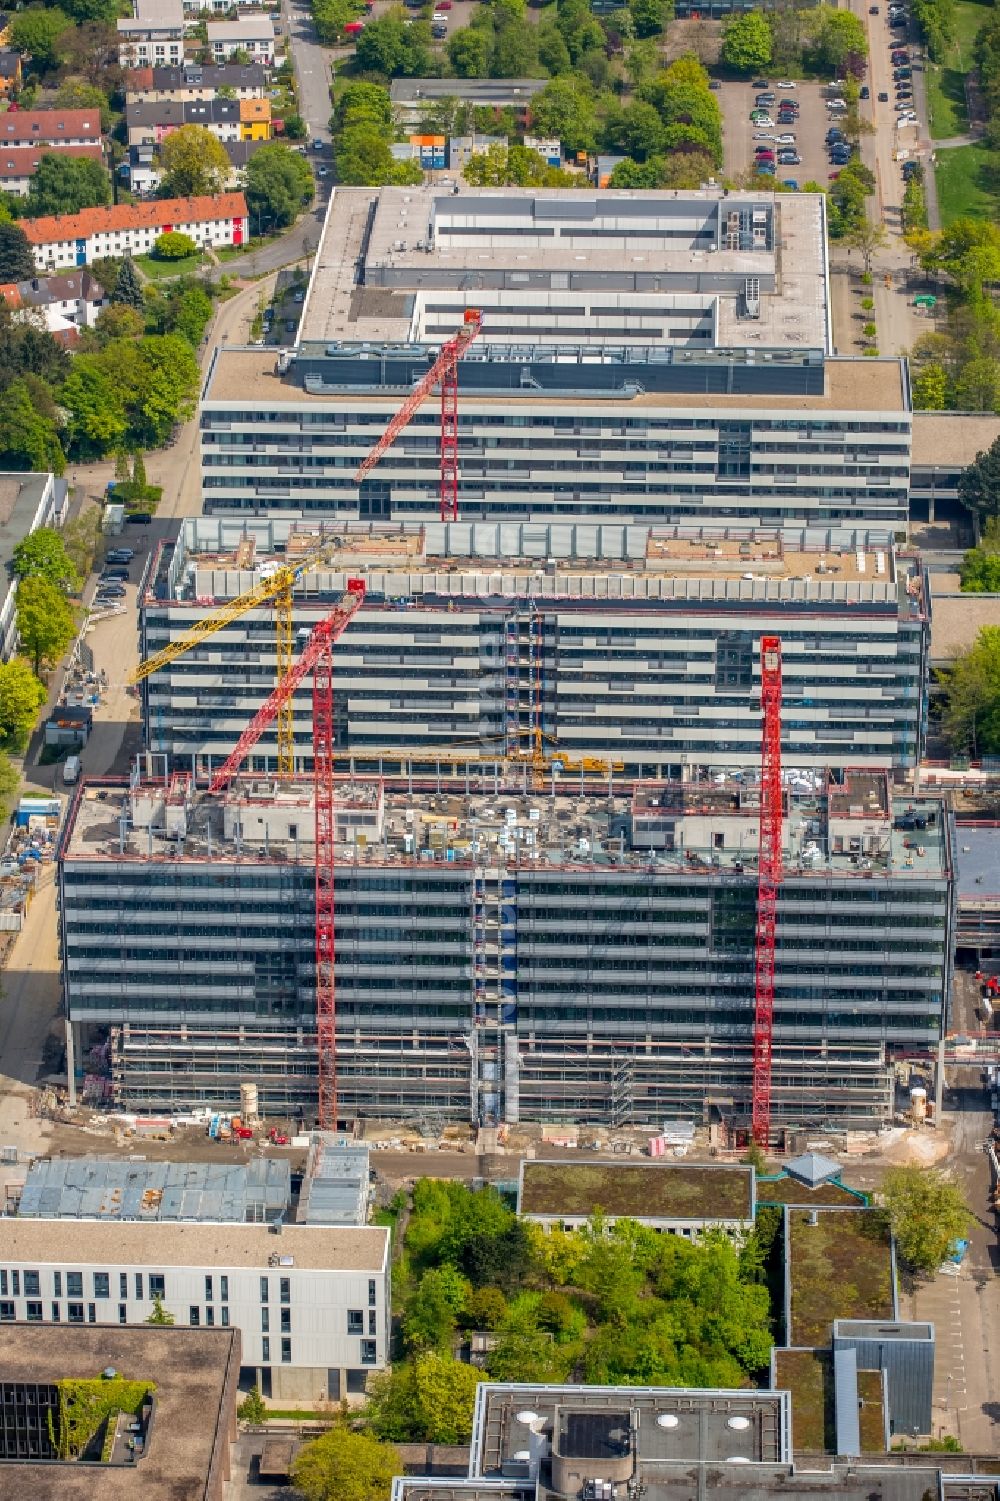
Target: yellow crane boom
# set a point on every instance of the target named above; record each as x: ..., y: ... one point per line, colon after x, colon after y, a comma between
x: 275, y: 589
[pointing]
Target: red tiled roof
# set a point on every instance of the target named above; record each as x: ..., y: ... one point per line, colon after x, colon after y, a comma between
x: 22, y: 161
x: 151, y: 215
x: 10, y: 294
x: 22, y: 126
x: 137, y: 79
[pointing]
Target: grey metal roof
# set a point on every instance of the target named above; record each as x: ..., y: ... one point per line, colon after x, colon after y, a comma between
x: 812, y: 1168
x: 335, y: 1187
x: 845, y: 1386
x: 105, y: 1189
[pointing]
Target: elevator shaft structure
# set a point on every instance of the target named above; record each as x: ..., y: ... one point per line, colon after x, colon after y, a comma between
x: 768, y: 877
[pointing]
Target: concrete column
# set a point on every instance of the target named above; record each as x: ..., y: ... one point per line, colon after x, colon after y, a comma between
x: 939, y: 1081
x: 70, y: 1062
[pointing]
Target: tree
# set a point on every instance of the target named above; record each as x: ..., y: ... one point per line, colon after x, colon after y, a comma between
x: 936, y: 19
x: 981, y: 565
x: 29, y: 438
x: 66, y: 184
x: 970, y: 713
x: 367, y: 102
x: 279, y: 185
x: 113, y: 322
x: 331, y: 16
x: 427, y: 1400
x: 836, y: 35
x: 390, y: 47
x: 98, y: 421
x: 46, y: 623
x: 346, y: 1466
x: 17, y: 259
x: 81, y: 537
x: 128, y: 288
x: 36, y: 33
x: 968, y: 251
x: 21, y: 697
x: 194, y: 162
x: 431, y: 1316
x: 364, y: 159
x: 469, y: 52
x: 91, y: 50
x: 160, y: 1315
x: 172, y: 245
x: 252, y: 1409
x: 927, y: 1214
x: 746, y: 42
x: 42, y: 554
x: 500, y: 166
x: 565, y: 109
x: 979, y: 483
x: 866, y: 236
x: 650, y: 16
x: 930, y: 388
x: 636, y: 130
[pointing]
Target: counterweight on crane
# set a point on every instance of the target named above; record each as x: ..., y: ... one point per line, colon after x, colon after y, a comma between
x: 317, y: 658
x: 768, y: 877
x: 444, y: 371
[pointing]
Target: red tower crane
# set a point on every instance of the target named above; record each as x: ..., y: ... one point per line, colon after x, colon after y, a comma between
x: 317, y: 658
x: 445, y: 371
x: 768, y: 877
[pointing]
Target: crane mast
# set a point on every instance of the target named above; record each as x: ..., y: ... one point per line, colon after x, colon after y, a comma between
x: 317, y: 658
x: 444, y: 371
x: 768, y: 877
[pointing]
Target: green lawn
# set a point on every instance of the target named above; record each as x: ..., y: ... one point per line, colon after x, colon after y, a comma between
x: 156, y: 269
x: 964, y: 178
x: 946, y: 81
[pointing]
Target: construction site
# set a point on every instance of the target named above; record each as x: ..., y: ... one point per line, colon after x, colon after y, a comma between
x: 504, y: 956
x: 581, y: 648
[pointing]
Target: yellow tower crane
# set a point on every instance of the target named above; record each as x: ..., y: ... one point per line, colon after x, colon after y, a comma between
x: 275, y: 589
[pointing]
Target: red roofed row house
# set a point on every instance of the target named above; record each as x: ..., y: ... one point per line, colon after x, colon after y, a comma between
x: 29, y: 134
x: 133, y: 229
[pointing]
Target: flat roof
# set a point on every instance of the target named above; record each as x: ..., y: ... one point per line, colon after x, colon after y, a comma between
x: 191, y: 1369
x: 313, y: 1247
x: 840, y: 1268
x: 646, y: 1190
x: 957, y: 618
x: 481, y: 90
x: 951, y: 439
x: 252, y: 376
x: 20, y: 497
x: 977, y: 864
x: 110, y: 821
x: 704, y: 1430
x: 385, y: 252
x: 108, y: 1188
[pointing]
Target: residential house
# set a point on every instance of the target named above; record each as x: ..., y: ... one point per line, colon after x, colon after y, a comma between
x: 54, y: 129
x: 67, y: 303
x: 18, y: 164
x: 142, y: 170
x: 252, y: 34
x: 10, y: 71
x: 196, y: 81
x: 227, y: 119
x: 63, y: 240
x: 153, y: 36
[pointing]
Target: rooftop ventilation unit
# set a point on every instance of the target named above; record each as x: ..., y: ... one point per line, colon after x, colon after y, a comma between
x: 751, y: 295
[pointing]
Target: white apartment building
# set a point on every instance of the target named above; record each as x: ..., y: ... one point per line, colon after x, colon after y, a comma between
x: 61, y: 240
x: 252, y: 34
x: 311, y: 1302
x: 153, y: 36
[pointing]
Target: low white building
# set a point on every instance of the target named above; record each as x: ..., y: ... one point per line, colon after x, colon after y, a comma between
x: 312, y: 1302
x: 252, y: 34
x: 153, y: 36
x: 27, y: 501
x: 62, y: 240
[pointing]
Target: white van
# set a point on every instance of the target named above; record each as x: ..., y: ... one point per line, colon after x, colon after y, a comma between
x: 71, y: 769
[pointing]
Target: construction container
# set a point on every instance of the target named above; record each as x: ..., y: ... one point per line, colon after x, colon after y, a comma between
x: 918, y: 1104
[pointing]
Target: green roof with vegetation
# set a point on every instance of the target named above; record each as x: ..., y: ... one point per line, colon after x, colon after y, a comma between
x: 841, y: 1268
x: 808, y: 1375
x: 871, y: 1413
x: 791, y: 1191
x: 647, y: 1190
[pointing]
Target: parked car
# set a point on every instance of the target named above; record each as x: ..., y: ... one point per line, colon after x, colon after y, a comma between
x: 791, y: 182
x: 760, y: 83
x: 789, y: 159
x: 762, y: 136
x: 834, y: 134
x: 139, y: 518
x: 119, y: 555
x: 766, y: 169
x: 788, y: 83
x: 873, y: 10
x: 866, y: 92
x: 110, y: 591
x: 785, y: 140
x: 883, y: 98
x: 713, y: 83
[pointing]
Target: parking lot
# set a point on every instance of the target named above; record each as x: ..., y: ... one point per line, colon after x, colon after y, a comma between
x: 737, y: 100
